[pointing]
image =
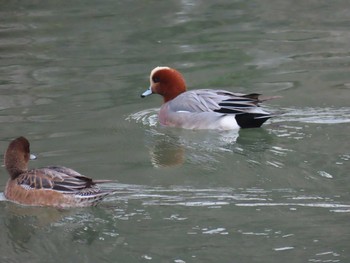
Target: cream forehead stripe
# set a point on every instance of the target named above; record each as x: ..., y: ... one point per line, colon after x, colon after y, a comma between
x: 155, y: 70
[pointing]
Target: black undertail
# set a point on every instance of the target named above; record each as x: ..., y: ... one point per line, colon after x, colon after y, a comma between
x: 251, y: 120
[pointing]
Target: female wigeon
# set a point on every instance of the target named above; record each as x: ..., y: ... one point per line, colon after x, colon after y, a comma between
x: 49, y: 186
x: 203, y: 109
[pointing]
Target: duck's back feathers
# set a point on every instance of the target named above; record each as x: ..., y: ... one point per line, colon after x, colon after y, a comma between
x: 218, y: 104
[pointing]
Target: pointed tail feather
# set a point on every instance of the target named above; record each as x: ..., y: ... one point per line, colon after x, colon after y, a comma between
x: 103, y: 181
x: 266, y: 98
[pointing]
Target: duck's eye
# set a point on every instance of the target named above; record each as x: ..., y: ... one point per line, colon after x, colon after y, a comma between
x: 156, y: 79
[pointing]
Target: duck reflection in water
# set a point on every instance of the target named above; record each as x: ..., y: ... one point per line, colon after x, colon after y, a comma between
x: 169, y: 148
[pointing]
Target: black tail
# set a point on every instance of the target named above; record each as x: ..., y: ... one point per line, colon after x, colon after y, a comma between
x: 251, y: 120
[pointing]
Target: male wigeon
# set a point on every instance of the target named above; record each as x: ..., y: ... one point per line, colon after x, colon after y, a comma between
x: 203, y: 109
x: 55, y: 186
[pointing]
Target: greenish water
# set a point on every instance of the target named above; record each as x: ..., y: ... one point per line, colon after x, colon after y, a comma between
x: 71, y: 75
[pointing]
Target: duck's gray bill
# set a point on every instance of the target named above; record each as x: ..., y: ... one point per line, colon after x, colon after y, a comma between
x: 146, y: 93
x: 32, y: 157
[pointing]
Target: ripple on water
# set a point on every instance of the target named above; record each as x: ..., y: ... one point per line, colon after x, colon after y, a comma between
x: 171, y: 147
x: 293, y: 121
x: 289, y: 116
x: 327, y: 115
x: 216, y: 198
x: 283, y: 248
x: 2, y: 197
x: 148, y: 117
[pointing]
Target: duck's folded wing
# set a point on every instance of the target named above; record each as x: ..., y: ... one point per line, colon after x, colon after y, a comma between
x: 60, y: 179
x: 215, y: 101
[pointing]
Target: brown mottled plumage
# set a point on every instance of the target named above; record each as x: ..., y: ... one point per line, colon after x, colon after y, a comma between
x: 49, y: 186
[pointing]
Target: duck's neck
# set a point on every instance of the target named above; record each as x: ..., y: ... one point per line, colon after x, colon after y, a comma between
x: 177, y: 87
x: 15, y: 172
x: 172, y: 95
x: 14, y: 167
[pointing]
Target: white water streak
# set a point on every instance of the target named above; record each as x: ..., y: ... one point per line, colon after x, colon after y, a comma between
x: 328, y: 115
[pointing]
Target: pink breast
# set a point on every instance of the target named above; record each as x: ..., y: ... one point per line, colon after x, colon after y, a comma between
x: 163, y: 113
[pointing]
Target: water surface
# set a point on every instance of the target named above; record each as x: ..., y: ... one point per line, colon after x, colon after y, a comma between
x: 71, y: 76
